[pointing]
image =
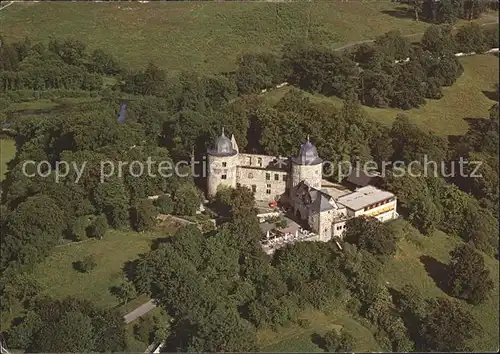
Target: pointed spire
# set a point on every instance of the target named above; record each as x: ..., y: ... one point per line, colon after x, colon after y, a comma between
x: 234, y: 144
x: 308, y: 138
x: 223, y: 131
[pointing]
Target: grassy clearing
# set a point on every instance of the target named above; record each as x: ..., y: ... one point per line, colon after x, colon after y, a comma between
x: 465, y: 99
x: 202, y: 36
x: 58, y: 278
x: 7, y: 153
x: 407, y: 267
x: 48, y: 104
x: 293, y: 338
x: 32, y: 105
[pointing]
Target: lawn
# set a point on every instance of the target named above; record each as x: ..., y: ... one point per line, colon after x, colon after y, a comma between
x: 58, y: 278
x: 407, y: 266
x: 467, y: 98
x: 7, y: 153
x: 42, y: 104
x: 206, y: 36
x: 48, y: 104
x: 294, y: 338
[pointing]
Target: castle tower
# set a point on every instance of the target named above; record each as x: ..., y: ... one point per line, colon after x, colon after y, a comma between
x: 222, y: 163
x: 307, y: 167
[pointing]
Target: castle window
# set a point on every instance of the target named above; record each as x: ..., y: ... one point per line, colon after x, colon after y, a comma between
x: 268, y: 176
x: 276, y: 177
x: 259, y: 160
x: 223, y: 177
x: 254, y: 188
x: 268, y: 186
x: 238, y: 185
x: 250, y: 175
x: 268, y: 191
x: 224, y: 164
x: 284, y: 178
x: 249, y: 161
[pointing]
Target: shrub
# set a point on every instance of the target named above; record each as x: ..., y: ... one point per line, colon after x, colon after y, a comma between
x: 87, y: 264
x: 99, y: 227
x: 164, y: 204
x: 304, y: 323
x: 338, y: 342
x: 4, y: 102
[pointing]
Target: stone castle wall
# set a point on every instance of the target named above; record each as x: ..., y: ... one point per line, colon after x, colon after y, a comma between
x: 253, y: 160
x: 262, y: 181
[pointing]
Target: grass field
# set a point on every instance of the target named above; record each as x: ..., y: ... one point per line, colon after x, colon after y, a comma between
x: 407, y: 267
x: 465, y: 99
x: 202, y: 36
x: 58, y: 278
x: 205, y: 36
x: 7, y: 153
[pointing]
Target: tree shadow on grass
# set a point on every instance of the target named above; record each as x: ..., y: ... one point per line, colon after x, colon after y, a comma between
x: 437, y: 270
x: 400, y: 12
x: 115, y: 291
x: 492, y: 95
x: 78, y: 266
x: 404, y: 12
x: 454, y: 139
x: 159, y: 241
x: 130, y: 268
x: 318, y: 340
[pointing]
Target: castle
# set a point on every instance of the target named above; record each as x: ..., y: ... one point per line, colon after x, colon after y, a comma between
x: 322, y: 206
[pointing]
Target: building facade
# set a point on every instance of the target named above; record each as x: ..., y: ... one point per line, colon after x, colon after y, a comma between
x: 297, y: 182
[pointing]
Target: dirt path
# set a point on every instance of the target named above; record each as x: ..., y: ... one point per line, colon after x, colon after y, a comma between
x: 7, y: 5
x: 139, y: 311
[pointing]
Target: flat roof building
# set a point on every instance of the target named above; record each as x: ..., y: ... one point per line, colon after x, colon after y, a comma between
x: 363, y: 197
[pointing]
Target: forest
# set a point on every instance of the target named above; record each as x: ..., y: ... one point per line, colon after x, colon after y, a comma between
x: 219, y: 287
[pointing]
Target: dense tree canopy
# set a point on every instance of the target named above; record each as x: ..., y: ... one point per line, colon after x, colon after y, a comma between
x: 69, y: 325
x: 447, y: 326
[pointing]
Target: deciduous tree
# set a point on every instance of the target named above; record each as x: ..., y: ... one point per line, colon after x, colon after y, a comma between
x: 468, y: 277
x: 447, y: 326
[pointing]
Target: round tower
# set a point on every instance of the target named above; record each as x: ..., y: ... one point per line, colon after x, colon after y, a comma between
x: 222, y: 163
x: 307, y: 166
